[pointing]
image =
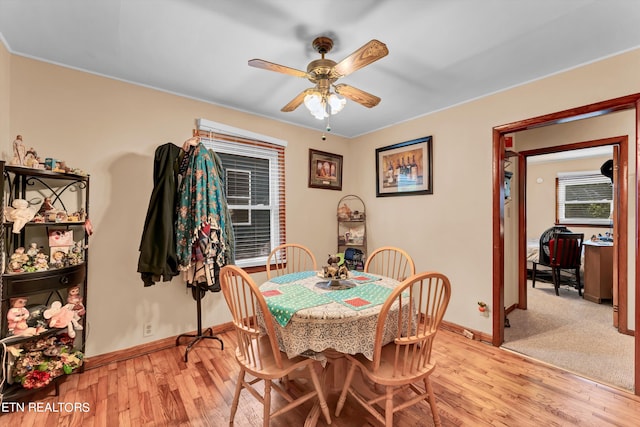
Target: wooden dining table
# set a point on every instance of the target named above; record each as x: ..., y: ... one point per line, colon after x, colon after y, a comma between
x: 318, y: 321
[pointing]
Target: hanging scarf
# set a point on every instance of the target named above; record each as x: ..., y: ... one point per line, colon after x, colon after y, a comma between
x: 199, y: 213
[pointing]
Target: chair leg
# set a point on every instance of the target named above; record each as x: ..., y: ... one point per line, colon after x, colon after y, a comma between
x: 388, y: 407
x: 533, y: 275
x: 556, y: 279
x: 578, y: 282
x: 267, y: 403
x: 432, y: 402
x: 236, y: 396
x: 345, y: 389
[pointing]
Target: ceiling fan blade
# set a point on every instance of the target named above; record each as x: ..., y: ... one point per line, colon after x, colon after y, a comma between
x: 295, y: 102
x: 367, y: 54
x: 266, y: 65
x: 357, y: 95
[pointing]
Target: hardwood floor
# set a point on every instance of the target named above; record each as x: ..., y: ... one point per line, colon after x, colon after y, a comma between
x: 475, y: 385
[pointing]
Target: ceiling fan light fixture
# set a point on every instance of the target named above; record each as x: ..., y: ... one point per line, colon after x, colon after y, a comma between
x: 321, y: 105
x: 337, y: 103
x: 316, y: 105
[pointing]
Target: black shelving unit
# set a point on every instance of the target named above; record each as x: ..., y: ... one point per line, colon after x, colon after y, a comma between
x: 41, y: 288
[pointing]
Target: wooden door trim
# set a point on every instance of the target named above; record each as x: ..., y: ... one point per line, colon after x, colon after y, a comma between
x: 603, y: 107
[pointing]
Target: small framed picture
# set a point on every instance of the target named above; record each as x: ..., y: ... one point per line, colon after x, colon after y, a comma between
x: 325, y: 170
x: 405, y: 169
x: 61, y: 237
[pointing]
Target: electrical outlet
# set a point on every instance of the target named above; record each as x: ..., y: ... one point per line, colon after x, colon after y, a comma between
x: 468, y: 334
x: 147, y: 329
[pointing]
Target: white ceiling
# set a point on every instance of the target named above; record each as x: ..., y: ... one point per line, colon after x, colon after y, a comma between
x: 441, y: 52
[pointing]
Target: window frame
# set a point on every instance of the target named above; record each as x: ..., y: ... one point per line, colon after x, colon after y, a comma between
x: 565, y: 179
x: 233, y: 141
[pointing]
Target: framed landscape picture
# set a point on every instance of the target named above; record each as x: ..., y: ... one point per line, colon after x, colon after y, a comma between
x: 405, y: 169
x: 325, y: 170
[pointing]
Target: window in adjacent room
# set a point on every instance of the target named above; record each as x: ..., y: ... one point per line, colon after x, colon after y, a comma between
x: 254, y: 186
x: 584, y: 198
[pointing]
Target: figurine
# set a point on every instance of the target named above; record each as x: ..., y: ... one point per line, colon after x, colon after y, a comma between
x: 344, y: 212
x: 17, y: 318
x: 46, y: 208
x: 33, y: 250
x: 19, y: 214
x: 74, y: 298
x: 61, y: 216
x: 76, y: 255
x: 18, y: 259
x: 19, y: 152
x: 60, y: 316
x: 59, y: 167
x: 31, y: 159
x: 41, y: 263
x: 333, y: 260
x: 57, y: 259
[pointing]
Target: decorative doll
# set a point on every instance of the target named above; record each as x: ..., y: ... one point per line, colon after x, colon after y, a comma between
x: 74, y: 298
x: 57, y: 259
x: 17, y: 317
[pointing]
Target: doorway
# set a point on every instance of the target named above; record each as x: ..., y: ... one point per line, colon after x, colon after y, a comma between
x: 499, y: 133
x: 619, y: 153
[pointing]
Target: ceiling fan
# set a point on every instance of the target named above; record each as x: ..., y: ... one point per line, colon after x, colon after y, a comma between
x: 323, y: 73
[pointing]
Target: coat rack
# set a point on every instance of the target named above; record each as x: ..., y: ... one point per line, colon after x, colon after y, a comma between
x: 198, y: 291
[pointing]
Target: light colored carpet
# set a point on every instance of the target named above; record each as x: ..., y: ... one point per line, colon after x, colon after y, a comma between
x: 572, y: 333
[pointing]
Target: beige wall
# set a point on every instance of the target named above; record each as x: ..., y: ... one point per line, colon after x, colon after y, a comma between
x: 112, y: 128
x: 5, y: 93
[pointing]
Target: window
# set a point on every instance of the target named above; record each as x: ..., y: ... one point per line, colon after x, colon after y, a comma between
x: 584, y: 198
x: 254, y: 187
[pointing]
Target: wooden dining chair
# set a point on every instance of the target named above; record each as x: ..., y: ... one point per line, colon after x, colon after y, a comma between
x: 290, y: 258
x: 422, y: 300
x: 391, y: 262
x: 257, y: 353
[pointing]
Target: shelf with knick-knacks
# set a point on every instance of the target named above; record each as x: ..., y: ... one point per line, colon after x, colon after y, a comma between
x: 43, y: 286
x: 352, y: 231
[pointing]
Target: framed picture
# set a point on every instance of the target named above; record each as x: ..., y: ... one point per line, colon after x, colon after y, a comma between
x: 405, y: 169
x: 325, y: 170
